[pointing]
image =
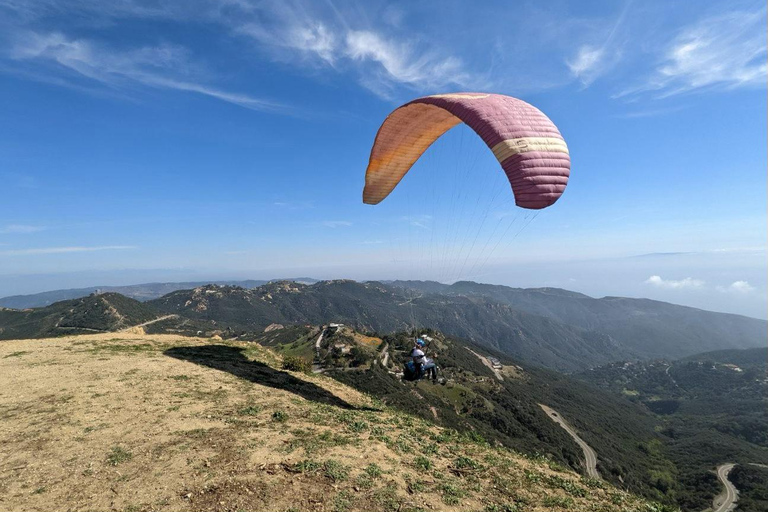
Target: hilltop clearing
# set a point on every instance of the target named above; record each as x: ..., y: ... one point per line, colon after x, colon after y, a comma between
x: 162, y: 422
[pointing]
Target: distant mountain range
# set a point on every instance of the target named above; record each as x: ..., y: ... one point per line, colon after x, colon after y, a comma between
x: 142, y: 292
x: 546, y: 327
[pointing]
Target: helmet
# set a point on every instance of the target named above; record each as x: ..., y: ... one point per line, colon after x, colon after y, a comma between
x: 420, y: 342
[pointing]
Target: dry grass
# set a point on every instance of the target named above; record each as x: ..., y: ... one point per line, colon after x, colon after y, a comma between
x: 132, y: 422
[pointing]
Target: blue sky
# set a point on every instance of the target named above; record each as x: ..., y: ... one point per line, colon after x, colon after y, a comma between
x: 169, y: 140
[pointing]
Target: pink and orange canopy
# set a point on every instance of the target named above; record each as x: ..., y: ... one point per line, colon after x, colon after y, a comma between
x: 526, y: 143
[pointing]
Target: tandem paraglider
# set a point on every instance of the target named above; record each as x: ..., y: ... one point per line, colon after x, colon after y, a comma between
x: 419, y: 366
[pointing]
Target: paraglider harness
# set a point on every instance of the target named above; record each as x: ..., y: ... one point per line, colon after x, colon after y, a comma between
x: 413, y: 371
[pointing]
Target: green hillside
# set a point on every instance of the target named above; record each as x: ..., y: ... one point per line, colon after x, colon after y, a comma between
x: 710, y: 410
x: 648, y: 328
x: 95, y: 313
x: 505, y: 412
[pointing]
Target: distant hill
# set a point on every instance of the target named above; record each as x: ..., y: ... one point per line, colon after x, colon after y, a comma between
x: 377, y: 307
x: 649, y: 328
x: 95, y: 313
x: 745, y: 357
x: 547, y: 326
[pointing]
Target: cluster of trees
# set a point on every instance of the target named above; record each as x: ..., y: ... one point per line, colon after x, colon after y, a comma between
x: 752, y: 483
x: 710, y: 409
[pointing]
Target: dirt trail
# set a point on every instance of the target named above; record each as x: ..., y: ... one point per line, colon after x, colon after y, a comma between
x: 589, y: 454
x: 487, y: 363
x: 726, y: 500
x: 150, y: 322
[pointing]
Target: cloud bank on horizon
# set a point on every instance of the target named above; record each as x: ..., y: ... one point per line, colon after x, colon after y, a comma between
x: 230, y: 137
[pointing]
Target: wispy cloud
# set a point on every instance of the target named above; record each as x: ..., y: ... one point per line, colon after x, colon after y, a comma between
x: 399, y: 62
x: 671, y: 284
x: 20, y: 229
x: 382, y: 60
x: 64, y: 250
x: 160, y: 67
x: 726, y: 51
x: 294, y: 205
x: 741, y: 287
x: 336, y: 223
x: 419, y: 221
x: 593, y: 60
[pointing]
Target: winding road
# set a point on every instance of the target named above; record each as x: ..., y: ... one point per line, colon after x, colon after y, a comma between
x: 589, y: 454
x: 726, y: 500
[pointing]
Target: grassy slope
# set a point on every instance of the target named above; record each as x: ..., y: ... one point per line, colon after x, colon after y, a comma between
x: 138, y: 422
x: 629, y: 451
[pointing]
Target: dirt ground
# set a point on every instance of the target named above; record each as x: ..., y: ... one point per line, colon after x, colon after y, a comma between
x: 134, y: 422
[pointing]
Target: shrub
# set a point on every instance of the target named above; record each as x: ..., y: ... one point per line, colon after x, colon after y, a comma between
x: 296, y: 364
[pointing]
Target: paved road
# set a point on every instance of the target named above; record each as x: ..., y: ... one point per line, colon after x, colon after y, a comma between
x: 320, y: 338
x: 317, y: 367
x: 726, y: 500
x: 487, y: 363
x: 385, y: 355
x: 589, y: 454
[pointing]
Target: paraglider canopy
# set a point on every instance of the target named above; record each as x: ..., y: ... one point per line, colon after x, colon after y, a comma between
x: 526, y: 143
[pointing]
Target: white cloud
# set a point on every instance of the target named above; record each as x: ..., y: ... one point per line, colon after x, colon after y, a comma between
x: 336, y: 223
x: 399, y: 63
x: 726, y: 51
x: 64, y: 250
x: 299, y: 33
x: 737, y: 287
x: 20, y: 228
x: 592, y: 60
x: 163, y: 67
x: 688, y: 282
x: 586, y: 65
x: 381, y: 60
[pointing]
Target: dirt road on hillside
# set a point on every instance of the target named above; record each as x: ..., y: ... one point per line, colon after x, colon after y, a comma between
x: 590, y: 456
